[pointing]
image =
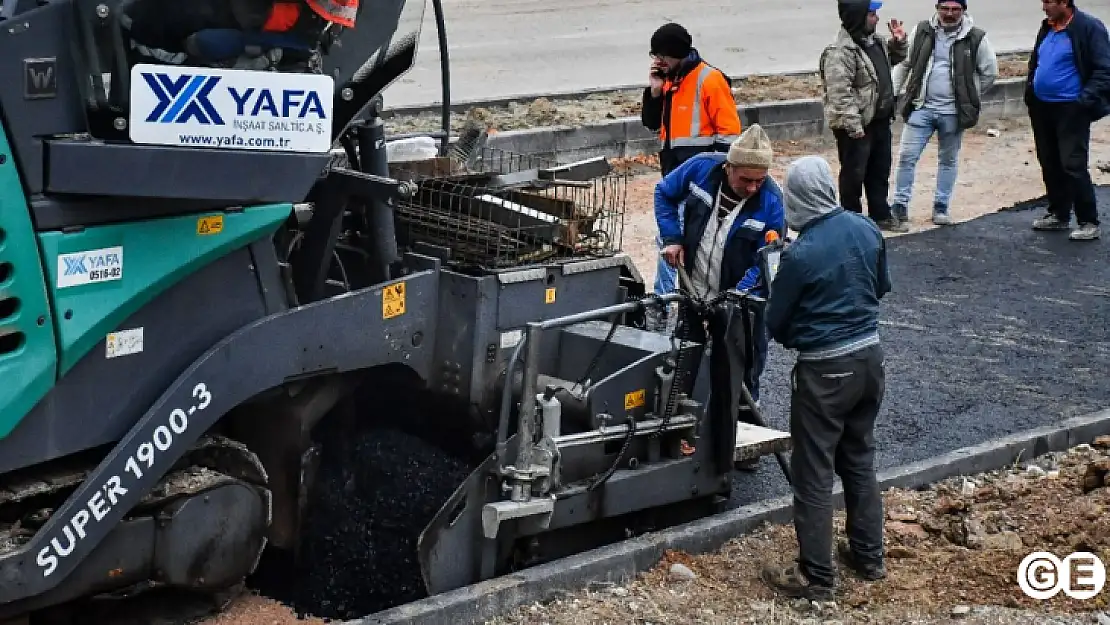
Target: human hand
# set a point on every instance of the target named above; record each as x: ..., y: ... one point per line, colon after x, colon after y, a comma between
x: 655, y: 78
x: 675, y: 255
x: 896, y: 31
x: 857, y: 134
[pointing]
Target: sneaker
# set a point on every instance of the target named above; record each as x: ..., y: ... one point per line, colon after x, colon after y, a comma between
x: 791, y: 582
x: 869, y: 572
x: 901, y: 213
x: 942, y: 219
x: 1085, y: 232
x: 1050, y: 222
x: 892, y: 224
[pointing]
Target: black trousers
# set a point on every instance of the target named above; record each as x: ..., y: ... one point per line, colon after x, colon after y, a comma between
x: 1062, y: 135
x: 865, y: 168
x: 833, y: 407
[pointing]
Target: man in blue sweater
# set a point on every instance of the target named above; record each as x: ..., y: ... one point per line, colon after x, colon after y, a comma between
x: 824, y: 303
x: 1068, y: 89
x: 729, y: 203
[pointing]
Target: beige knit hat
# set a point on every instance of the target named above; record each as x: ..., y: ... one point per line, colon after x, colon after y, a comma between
x: 751, y: 149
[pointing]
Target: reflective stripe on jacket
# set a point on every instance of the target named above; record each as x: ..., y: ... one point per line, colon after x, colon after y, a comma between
x: 699, y: 110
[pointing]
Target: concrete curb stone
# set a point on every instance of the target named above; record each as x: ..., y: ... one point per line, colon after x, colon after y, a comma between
x: 783, y: 120
x: 622, y: 561
x: 459, y: 106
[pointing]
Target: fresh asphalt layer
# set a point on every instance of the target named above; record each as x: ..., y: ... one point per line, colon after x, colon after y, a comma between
x: 991, y: 328
x: 510, y: 48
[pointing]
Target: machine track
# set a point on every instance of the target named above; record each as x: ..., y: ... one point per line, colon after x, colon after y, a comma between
x: 214, y: 462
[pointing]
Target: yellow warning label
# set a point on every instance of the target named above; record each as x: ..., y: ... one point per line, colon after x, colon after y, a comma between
x: 393, y: 301
x: 549, y: 296
x: 634, y: 400
x: 212, y: 224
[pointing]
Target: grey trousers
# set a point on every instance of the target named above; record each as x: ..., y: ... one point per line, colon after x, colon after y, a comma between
x: 833, y: 406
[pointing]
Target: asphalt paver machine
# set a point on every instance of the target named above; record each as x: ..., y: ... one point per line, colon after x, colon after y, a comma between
x: 205, y: 252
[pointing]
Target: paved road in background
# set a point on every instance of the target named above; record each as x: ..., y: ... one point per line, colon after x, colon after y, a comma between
x: 505, y: 48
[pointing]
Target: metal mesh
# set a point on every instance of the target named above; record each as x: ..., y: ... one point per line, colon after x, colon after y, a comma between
x: 493, y: 210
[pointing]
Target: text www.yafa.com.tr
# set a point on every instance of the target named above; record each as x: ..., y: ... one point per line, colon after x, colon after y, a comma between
x: 236, y: 140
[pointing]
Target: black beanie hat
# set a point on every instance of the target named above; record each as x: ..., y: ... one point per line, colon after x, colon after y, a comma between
x: 671, y: 40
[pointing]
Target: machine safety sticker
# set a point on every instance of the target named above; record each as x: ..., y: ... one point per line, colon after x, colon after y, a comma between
x: 634, y: 400
x: 511, y: 338
x: 393, y: 301
x: 231, y: 109
x: 124, y: 343
x: 90, y: 267
x: 549, y: 296
x: 211, y: 224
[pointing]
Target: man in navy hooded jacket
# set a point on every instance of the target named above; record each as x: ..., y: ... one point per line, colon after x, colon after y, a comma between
x: 825, y: 304
x: 730, y: 203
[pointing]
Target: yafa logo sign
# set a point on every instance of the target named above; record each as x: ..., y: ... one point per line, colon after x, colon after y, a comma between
x: 92, y: 266
x: 231, y: 109
x: 182, y: 99
x: 1042, y: 576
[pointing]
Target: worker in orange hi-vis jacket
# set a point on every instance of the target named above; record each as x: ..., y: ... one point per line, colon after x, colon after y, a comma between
x: 689, y: 103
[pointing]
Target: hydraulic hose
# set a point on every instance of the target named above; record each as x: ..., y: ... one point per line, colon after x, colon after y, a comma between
x: 445, y: 75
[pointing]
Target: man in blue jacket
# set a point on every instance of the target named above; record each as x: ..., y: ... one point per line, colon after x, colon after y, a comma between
x: 729, y: 203
x: 824, y: 303
x: 1068, y: 89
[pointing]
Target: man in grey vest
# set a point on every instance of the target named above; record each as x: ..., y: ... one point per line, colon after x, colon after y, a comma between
x: 940, y: 85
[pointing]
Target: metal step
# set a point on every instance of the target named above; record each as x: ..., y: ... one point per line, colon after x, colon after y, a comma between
x: 753, y: 441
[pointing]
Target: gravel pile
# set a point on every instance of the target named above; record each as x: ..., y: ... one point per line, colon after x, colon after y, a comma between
x: 376, y: 490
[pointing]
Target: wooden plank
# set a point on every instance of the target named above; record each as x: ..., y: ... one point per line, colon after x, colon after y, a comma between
x: 753, y: 441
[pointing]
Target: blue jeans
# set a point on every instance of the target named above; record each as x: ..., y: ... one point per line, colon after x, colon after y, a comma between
x: 919, y: 128
x: 665, y: 275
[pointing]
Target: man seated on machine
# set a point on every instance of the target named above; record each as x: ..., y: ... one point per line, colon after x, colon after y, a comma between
x: 238, y: 34
x: 731, y: 203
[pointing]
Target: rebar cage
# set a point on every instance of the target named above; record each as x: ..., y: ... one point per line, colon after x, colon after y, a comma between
x: 491, y: 210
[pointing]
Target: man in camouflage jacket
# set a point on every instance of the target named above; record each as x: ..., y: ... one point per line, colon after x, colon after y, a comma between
x: 860, y: 106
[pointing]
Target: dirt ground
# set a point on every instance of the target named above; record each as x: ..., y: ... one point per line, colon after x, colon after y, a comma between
x: 994, y: 172
x: 617, y: 104
x: 953, y: 552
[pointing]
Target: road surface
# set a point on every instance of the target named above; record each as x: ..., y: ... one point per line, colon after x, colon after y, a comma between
x: 507, y: 48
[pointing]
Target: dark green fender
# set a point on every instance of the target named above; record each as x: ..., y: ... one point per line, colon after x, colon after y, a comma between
x: 63, y: 292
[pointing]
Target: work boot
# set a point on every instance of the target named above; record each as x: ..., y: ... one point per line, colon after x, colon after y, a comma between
x: 892, y: 224
x: 1085, y: 232
x: 869, y: 572
x: 1050, y: 222
x: 747, y: 466
x: 790, y: 581
x: 940, y: 215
